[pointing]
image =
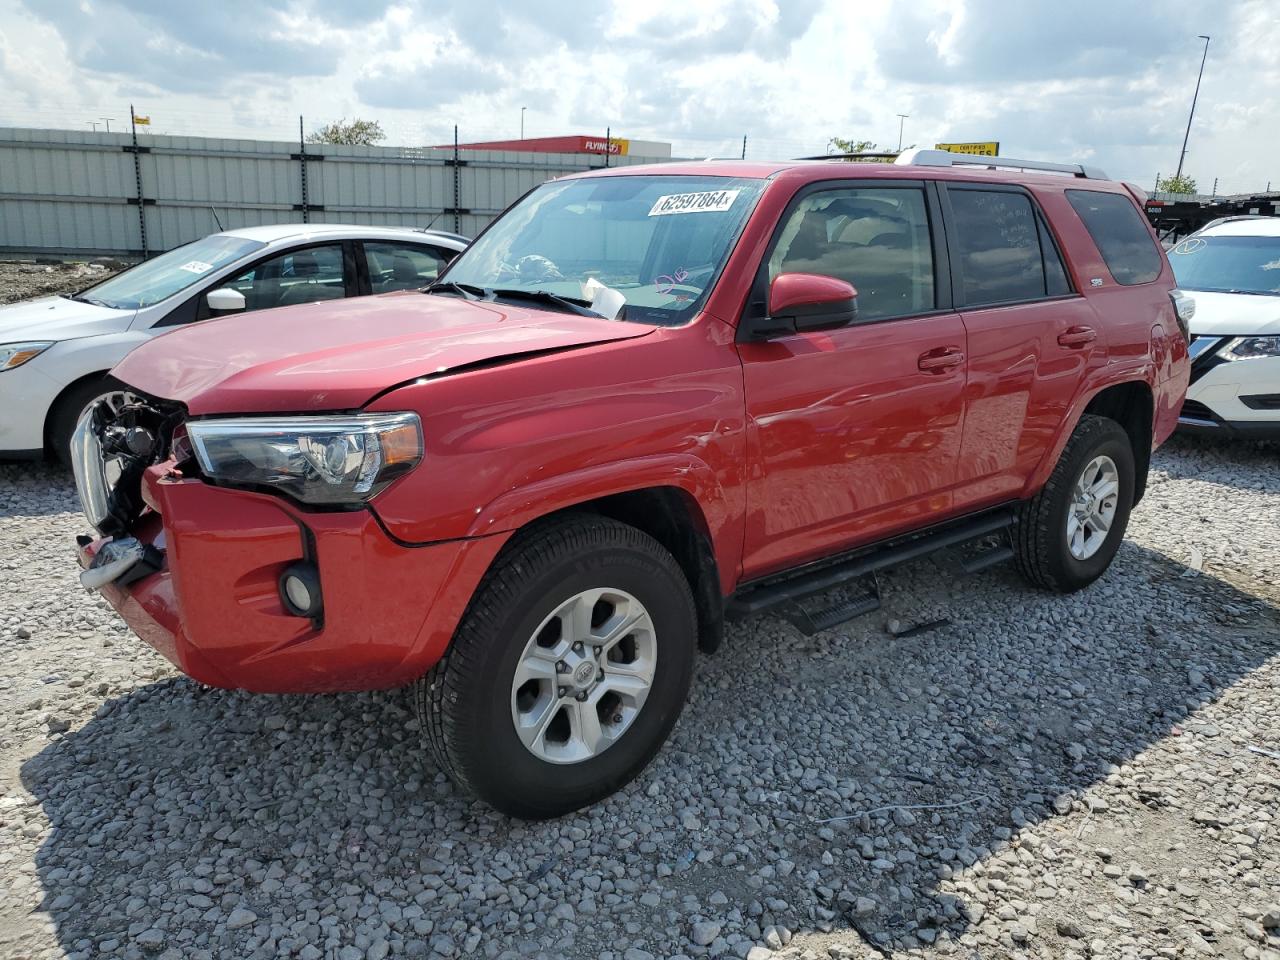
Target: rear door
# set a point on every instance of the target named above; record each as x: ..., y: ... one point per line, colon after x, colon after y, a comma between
x: 395, y: 265
x: 1031, y: 336
x: 854, y: 433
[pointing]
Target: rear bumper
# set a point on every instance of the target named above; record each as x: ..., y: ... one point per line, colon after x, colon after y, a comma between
x: 215, y: 612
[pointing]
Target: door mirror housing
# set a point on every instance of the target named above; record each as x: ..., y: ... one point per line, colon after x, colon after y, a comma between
x: 225, y: 300
x: 803, y: 302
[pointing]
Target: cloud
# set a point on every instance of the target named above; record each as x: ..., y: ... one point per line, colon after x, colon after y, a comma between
x: 197, y: 47
x: 1099, y: 80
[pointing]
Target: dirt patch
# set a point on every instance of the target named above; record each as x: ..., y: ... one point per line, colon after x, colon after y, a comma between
x: 24, y: 281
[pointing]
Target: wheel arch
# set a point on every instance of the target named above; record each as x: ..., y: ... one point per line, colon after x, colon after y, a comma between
x: 56, y: 405
x: 1132, y: 405
x: 674, y: 517
x: 1125, y: 397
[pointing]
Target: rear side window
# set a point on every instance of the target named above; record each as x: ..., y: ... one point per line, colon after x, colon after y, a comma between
x: 998, y: 246
x: 1119, y: 233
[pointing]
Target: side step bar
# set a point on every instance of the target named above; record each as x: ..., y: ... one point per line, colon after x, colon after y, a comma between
x: 771, y: 594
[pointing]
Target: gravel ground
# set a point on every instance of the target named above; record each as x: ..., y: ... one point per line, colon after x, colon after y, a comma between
x: 1043, y: 777
x: 23, y: 280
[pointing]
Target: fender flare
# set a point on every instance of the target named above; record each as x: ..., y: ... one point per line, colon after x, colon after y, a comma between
x: 529, y: 502
x: 1143, y: 370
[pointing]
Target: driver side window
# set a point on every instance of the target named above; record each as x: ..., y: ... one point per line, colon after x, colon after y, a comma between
x: 875, y: 238
x: 299, y: 276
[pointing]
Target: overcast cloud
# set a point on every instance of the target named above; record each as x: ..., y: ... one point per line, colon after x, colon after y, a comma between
x: 1107, y: 81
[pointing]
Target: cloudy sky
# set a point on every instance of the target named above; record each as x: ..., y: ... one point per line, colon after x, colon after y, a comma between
x: 1108, y: 81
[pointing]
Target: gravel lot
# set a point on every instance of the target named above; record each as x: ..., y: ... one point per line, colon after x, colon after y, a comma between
x: 22, y: 280
x: 1044, y: 777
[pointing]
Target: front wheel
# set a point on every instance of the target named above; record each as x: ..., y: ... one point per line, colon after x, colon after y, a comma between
x: 568, y: 670
x: 1065, y: 536
x: 67, y: 411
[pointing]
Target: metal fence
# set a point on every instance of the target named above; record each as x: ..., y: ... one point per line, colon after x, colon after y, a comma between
x: 73, y: 193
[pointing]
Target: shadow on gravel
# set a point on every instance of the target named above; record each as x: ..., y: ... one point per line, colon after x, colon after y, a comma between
x: 174, y: 807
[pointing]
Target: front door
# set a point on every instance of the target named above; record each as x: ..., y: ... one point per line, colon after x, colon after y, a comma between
x: 854, y: 433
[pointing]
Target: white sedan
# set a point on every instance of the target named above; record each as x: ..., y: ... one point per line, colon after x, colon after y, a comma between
x: 55, y: 351
x: 1231, y: 269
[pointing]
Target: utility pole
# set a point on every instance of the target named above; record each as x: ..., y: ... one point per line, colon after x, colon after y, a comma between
x: 1196, y: 96
x: 522, y: 110
x: 1215, y: 187
x: 608, y: 143
x: 902, y: 119
x: 744, y: 146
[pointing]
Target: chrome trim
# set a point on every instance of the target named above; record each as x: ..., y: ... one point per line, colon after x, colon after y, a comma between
x: 1201, y: 344
x: 89, y: 469
x: 1197, y: 422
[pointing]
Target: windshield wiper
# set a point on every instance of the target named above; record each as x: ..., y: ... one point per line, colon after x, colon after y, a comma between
x: 568, y: 304
x: 468, y: 290
x: 78, y: 298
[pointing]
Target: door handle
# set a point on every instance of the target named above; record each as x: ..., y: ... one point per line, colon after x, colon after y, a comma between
x: 940, y: 360
x: 1077, y: 336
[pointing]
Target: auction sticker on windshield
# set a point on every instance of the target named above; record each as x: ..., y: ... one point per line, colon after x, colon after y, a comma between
x: 709, y: 201
x: 196, y: 266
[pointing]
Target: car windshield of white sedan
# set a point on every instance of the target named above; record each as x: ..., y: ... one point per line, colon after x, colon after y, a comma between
x: 639, y: 248
x: 1228, y: 264
x: 168, y: 273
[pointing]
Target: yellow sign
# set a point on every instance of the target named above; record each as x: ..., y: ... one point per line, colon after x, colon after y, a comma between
x: 987, y: 149
x: 142, y: 121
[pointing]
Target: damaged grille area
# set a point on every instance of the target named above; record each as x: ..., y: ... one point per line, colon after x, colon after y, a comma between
x: 117, y: 438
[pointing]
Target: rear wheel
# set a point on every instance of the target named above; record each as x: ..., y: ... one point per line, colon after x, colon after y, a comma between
x: 67, y: 409
x: 1067, y: 534
x: 568, y: 670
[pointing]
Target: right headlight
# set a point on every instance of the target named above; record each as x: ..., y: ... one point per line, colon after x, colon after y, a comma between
x: 322, y: 460
x: 1251, y: 348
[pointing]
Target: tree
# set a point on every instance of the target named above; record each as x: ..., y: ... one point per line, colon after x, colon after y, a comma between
x: 842, y: 145
x: 356, y: 132
x: 1178, y: 184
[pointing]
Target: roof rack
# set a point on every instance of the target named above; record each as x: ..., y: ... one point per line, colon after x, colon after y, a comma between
x: 943, y: 158
x: 868, y: 155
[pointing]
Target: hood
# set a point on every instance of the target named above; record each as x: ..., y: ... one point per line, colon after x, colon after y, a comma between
x: 57, y: 318
x: 338, y: 355
x: 1238, y: 314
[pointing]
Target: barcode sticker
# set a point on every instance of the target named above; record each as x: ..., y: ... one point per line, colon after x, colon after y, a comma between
x: 709, y: 201
x: 196, y: 266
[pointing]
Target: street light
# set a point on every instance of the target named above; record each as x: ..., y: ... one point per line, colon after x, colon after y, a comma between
x: 1183, y: 155
x: 902, y: 119
x: 522, y: 110
x: 107, y: 121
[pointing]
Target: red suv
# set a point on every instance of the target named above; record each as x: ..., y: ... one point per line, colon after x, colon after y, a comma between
x: 645, y: 400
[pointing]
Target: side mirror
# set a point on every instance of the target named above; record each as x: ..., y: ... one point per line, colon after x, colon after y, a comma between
x: 802, y: 302
x: 225, y: 300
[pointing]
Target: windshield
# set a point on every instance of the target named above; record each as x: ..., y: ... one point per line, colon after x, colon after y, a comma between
x: 643, y: 248
x: 1228, y: 264
x: 162, y: 276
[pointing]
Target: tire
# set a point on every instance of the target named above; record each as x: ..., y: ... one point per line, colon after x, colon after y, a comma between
x: 468, y: 704
x: 66, y: 412
x: 1042, y: 549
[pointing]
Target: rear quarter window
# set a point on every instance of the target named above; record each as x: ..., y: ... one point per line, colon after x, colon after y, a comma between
x: 1120, y: 234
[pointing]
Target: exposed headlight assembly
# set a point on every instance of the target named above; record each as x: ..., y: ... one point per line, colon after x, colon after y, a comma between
x: 16, y: 354
x: 327, y: 460
x: 1251, y: 348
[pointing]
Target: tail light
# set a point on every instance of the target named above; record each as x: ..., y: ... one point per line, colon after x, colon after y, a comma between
x: 1184, y: 308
